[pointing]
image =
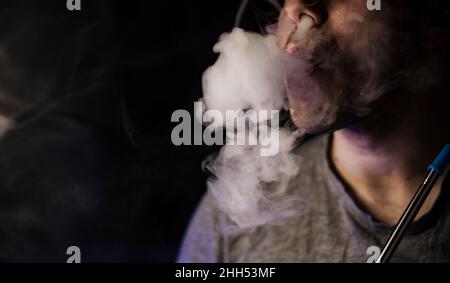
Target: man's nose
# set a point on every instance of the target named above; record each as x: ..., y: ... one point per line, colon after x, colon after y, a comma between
x: 294, y: 9
x: 289, y: 19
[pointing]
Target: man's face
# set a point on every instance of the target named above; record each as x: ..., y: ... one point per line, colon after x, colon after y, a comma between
x: 342, y: 65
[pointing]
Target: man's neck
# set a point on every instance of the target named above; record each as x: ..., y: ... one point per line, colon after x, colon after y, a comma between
x: 383, y: 165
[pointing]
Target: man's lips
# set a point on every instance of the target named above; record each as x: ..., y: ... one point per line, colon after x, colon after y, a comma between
x: 302, y: 83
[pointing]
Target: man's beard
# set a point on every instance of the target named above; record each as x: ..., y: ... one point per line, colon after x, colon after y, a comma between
x: 333, y: 85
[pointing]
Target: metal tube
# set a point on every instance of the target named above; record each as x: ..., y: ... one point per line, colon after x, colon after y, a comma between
x: 435, y: 170
x: 408, y: 216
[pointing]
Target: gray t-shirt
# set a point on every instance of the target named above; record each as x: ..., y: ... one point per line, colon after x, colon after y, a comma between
x: 331, y: 227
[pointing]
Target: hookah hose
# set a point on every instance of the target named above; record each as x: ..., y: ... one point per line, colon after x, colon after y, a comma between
x: 435, y: 170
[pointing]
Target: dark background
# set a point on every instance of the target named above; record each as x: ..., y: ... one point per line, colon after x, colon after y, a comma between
x: 89, y: 161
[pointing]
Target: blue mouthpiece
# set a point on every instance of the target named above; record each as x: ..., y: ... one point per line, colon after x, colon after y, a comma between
x: 441, y: 161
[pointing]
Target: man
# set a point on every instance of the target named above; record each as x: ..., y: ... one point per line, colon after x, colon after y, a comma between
x: 382, y: 112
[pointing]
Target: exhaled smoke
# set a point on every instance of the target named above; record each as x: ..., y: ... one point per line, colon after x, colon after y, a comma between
x: 249, y: 75
x: 252, y: 190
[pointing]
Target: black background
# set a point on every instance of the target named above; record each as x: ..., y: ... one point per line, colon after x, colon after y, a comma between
x: 90, y: 162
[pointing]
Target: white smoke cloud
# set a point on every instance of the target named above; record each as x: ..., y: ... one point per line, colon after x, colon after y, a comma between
x: 246, y: 75
x: 249, y: 74
x: 252, y: 190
